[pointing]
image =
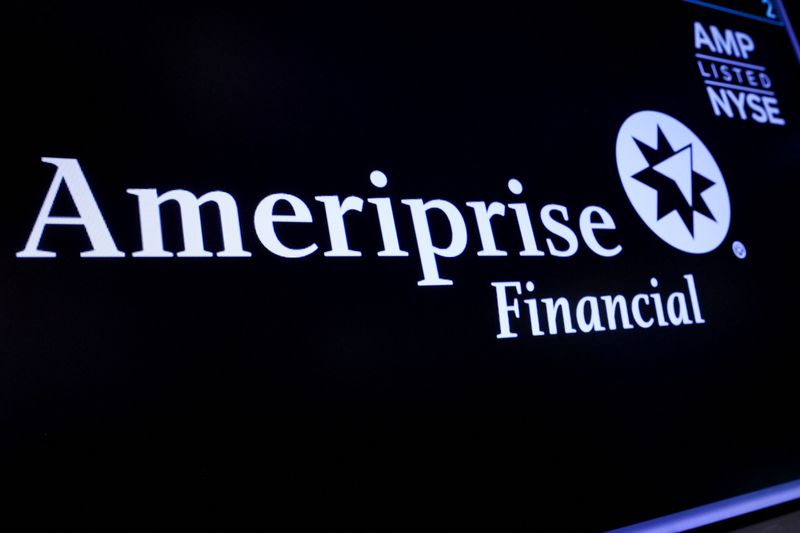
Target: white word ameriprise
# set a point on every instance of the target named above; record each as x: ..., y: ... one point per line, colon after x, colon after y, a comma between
x: 590, y: 314
x: 267, y: 220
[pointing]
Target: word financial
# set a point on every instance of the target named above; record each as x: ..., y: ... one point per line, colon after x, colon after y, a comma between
x: 594, y: 314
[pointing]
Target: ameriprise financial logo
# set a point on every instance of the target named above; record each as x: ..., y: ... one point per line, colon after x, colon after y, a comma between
x: 668, y: 174
x: 677, y: 189
x: 673, y: 182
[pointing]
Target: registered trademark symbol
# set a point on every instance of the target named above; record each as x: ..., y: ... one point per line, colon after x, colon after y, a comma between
x: 739, y: 250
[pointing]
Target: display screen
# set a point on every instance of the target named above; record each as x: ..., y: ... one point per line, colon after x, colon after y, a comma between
x: 513, y: 264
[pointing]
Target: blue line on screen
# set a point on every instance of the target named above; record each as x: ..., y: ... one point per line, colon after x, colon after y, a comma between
x: 718, y: 511
x: 735, y: 12
x: 789, y: 29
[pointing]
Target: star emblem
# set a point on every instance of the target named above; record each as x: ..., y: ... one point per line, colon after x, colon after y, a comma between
x: 671, y: 174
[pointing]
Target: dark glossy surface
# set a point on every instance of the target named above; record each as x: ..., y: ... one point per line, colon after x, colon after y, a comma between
x: 229, y: 389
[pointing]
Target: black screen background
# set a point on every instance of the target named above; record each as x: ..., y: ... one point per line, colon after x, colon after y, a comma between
x: 216, y: 388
